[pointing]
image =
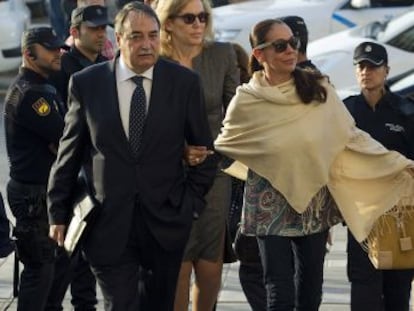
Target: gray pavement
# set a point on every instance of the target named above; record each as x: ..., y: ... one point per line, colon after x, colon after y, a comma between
x: 335, y: 292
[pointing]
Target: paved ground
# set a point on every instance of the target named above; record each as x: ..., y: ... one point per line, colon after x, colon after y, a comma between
x: 335, y: 297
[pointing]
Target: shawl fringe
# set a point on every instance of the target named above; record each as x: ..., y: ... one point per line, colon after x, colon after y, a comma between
x: 390, y: 244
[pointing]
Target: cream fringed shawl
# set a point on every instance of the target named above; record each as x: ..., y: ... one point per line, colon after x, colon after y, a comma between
x: 301, y: 148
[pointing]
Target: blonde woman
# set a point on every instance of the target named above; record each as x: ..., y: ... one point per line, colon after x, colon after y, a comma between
x: 187, y: 38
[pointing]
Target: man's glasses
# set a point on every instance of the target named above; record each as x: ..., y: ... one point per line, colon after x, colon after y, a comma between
x: 281, y: 45
x: 190, y: 18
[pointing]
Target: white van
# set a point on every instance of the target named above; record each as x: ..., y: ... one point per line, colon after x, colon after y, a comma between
x: 233, y: 22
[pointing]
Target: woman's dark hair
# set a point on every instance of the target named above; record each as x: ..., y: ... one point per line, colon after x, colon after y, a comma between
x: 308, y: 85
x: 258, y: 36
x: 307, y: 82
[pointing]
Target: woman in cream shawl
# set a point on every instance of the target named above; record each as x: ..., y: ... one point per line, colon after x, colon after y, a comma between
x: 306, y: 165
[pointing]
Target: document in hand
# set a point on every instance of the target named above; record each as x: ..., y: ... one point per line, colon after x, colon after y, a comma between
x: 82, y: 213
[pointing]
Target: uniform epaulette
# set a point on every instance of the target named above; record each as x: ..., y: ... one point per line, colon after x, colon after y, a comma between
x: 24, y: 87
x: 15, y: 93
x: 13, y: 96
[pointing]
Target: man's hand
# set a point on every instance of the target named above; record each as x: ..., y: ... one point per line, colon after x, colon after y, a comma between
x: 57, y: 233
x: 194, y: 155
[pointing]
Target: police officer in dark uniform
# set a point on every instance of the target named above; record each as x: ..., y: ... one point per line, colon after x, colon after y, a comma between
x: 33, y: 125
x: 388, y: 118
x: 88, y: 28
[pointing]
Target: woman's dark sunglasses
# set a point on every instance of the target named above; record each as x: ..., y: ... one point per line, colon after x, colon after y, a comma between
x: 281, y: 45
x: 190, y: 18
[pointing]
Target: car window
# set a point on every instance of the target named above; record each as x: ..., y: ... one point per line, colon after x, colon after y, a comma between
x: 372, y: 30
x: 396, y: 27
x: 404, y: 41
x: 403, y: 83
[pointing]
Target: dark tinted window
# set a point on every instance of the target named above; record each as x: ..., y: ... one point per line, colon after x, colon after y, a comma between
x: 391, y: 3
x: 404, y: 41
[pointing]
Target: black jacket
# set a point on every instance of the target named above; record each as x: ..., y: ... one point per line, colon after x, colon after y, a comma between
x: 33, y: 123
x: 157, y: 181
x: 71, y: 62
x: 391, y: 122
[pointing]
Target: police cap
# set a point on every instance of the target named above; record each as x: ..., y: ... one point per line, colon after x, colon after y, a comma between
x: 91, y: 16
x: 296, y: 24
x: 371, y: 52
x: 44, y: 36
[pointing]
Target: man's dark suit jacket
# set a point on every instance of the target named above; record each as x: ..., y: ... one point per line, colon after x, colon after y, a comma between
x: 167, y: 191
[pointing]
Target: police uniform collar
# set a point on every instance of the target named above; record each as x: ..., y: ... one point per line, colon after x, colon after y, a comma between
x: 387, y: 99
x: 32, y: 75
x: 83, y: 59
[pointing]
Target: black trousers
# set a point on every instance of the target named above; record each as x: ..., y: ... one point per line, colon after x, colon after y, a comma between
x: 145, y: 277
x: 35, y: 249
x: 293, y: 271
x: 76, y: 272
x: 6, y: 244
x: 252, y: 283
x: 372, y: 289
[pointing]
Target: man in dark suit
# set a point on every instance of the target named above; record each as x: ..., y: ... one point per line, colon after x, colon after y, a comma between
x: 147, y: 197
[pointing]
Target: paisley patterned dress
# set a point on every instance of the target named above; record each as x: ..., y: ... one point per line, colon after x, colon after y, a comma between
x: 266, y: 211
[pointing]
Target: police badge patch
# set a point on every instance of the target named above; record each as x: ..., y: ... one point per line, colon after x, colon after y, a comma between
x: 41, y: 107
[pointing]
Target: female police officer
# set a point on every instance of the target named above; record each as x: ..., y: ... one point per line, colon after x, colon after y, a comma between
x: 389, y: 119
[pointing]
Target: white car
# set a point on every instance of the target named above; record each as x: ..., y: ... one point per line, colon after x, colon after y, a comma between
x: 333, y: 54
x: 404, y: 85
x: 14, y: 19
x: 323, y: 17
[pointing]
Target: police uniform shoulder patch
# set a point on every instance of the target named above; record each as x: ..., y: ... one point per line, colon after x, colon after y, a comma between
x: 42, y: 107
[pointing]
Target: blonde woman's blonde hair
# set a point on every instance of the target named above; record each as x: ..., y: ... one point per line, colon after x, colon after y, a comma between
x: 167, y: 9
